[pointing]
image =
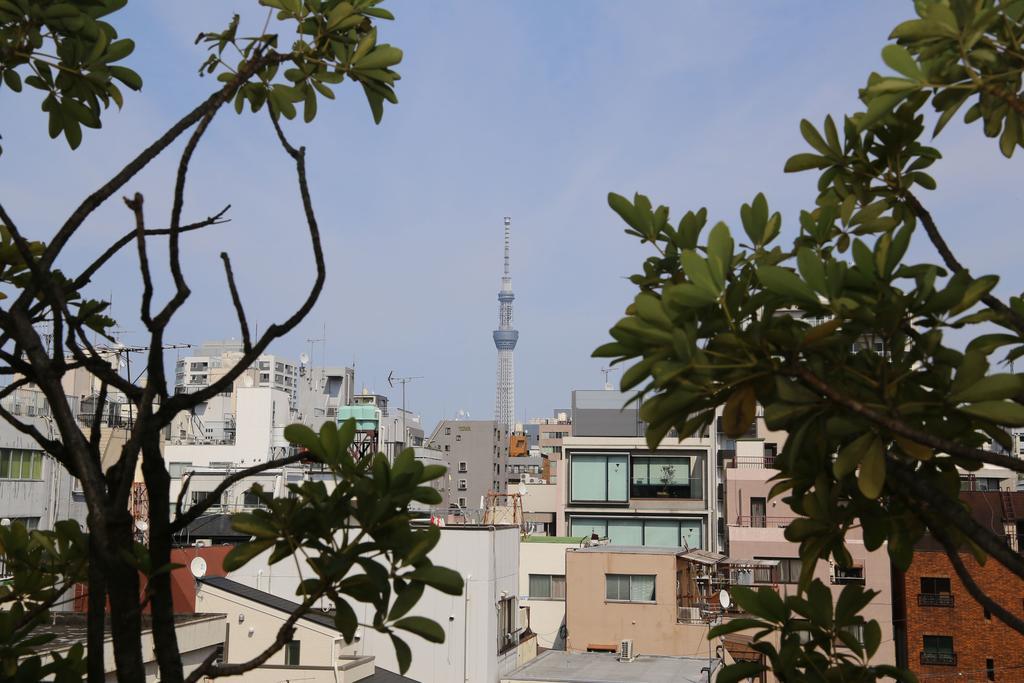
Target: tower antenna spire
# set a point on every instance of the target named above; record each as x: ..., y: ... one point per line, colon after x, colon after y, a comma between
x: 505, y: 338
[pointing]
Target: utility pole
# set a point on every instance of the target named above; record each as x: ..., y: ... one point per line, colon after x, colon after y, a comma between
x: 403, y: 381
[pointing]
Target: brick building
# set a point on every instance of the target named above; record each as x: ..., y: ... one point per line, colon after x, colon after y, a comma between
x: 942, y: 634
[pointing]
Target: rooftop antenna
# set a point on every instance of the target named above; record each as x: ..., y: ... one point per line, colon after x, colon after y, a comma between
x: 607, y: 371
x: 403, y: 381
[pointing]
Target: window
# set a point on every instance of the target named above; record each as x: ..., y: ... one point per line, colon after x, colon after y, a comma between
x: 291, y: 653
x: 458, y: 437
x: 662, y: 478
x: 856, y: 631
x: 638, y: 531
x: 990, y: 669
x: 20, y: 464
x: 463, y: 484
x: 447, y: 431
x: 935, y: 592
x: 463, y: 466
x: 250, y: 499
x: 758, y: 512
x: 264, y: 376
x: 76, y: 485
x: 29, y: 522
x: 462, y: 502
x: 789, y: 568
x: 938, y: 650
x: 547, y: 586
x: 598, y: 478
x: 200, y: 496
x: 506, y: 625
x: 629, y: 587
x: 845, y: 575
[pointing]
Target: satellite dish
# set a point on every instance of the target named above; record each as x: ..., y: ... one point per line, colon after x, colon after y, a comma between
x: 198, y: 567
x: 724, y: 599
x: 142, y: 525
x: 247, y: 381
x: 303, y: 358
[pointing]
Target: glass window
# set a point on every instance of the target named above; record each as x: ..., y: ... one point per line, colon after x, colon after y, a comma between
x: 547, y: 587
x: 291, y: 653
x: 630, y: 587
x: 845, y: 575
x: 176, y: 469
x: 661, y: 478
x: 626, y: 531
x: 931, y: 584
x: 507, y: 624
x: 588, y: 526
x: 789, y: 568
x: 20, y: 464
x: 599, y: 478
x: 661, y: 533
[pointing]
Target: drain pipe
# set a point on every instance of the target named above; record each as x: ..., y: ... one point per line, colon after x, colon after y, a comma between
x: 335, y: 657
x: 465, y: 630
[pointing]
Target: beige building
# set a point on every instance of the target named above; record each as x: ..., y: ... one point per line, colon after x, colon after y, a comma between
x: 317, y: 654
x: 616, y: 593
x: 542, y: 586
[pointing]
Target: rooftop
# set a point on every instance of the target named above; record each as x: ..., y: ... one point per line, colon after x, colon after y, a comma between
x: 558, y: 666
x: 71, y: 627
x: 575, y: 540
x: 267, y: 599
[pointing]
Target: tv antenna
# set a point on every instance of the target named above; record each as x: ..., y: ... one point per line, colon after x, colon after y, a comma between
x: 403, y: 381
x: 608, y: 370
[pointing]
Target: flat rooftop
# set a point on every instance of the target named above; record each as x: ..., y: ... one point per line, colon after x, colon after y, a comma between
x: 556, y: 666
x: 71, y: 627
x: 630, y: 550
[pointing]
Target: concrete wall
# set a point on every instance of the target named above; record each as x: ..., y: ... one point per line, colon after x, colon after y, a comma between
x: 547, y: 616
x: 595, y: 622
x: 473, y: 442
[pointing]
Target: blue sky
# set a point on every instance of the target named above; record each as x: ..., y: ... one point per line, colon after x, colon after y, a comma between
x: 530, y: 109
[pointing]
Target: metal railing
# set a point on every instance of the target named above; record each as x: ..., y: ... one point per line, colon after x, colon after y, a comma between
x: 935, y: 599
x: 938, y: 657
x: 763, y: 521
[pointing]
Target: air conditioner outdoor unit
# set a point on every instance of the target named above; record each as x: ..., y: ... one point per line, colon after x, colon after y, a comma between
x: 626, y: 651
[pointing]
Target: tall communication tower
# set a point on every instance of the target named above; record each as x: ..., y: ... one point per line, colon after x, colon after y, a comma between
x: 505, y: 338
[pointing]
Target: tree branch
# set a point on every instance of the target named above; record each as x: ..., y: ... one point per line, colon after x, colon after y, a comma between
x: 284, y: 634
x: 135, y: 204
x: 960, y: 518
x: 183, y: 520
x: 953, y: 263
x: 180, y: 402
x: 86, y: 276
x: 237, y: 301
x: 899, y: 427
x: 952, y: 552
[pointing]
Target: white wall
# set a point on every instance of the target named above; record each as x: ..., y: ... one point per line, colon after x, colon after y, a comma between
x: 487, y: 559
x: 262, y: 415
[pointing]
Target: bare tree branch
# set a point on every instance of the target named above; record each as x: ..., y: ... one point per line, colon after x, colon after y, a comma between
x: 237, y: 302
x: 86, y: 275
x: 899, y: 427
x: 954, y: 264
x: 952, y: 552
x: 97, y: 419
x: 135, y: 204
x: 183, y: 520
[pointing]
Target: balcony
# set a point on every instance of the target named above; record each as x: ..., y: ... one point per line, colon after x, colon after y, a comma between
x: 763, y: 522
x: 935, y: 599
x: 938, y: 657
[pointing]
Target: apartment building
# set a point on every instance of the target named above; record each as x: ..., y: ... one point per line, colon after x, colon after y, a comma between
x: 615, y: 487
x: 477, y: 455
x: 942, y: 632
x: 542, y: 586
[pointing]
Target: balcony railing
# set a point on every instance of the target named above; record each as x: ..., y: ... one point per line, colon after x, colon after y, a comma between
x: 935, y: 599
x: 938, y: 657
x: 763, y: 522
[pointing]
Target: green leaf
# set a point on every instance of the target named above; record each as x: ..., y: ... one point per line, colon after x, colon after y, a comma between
x: 879, y: 106
x: 686, y: 295
x: 991, y: 388
x: 428, y: 629
x: 381, y: 57
x: 402, y: 653
x: 872, y: 637
x: 126, y: 76
x: 118, y: 50
x: 720, y: 249
x: 852, y: 453
x: 804, y: 162
x: 814, y: 138
x: 739, y: 411
x: 871, y: 479
x: 734, y: 625
x: 254, y: 525
x: 302, y: 435
x: 812, y: 269
x: 345, y: 619
x: 441, y: 578
x: 406, y: 600
x: 699, y: 272
x: 975, y: 290
x: 899, y: 59
x: 786, y: 283
x: 1004, y: 413
x: 244, y: 552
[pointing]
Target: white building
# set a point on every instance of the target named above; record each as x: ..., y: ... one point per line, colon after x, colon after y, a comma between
x: 481, y: 626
